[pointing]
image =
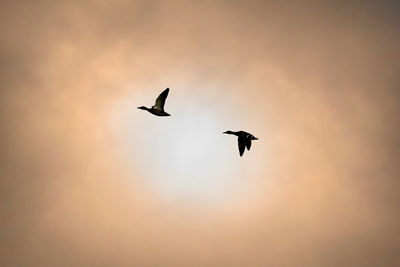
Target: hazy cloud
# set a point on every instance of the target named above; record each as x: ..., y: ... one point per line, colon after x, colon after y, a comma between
x: 316, y: 82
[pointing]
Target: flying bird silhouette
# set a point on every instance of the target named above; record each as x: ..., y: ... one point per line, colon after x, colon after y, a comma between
x: 244, y: 140
x: 158, y: 108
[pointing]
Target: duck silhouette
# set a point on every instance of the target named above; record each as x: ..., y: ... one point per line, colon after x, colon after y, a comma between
x: 158, y: 108
x: 244, y: 140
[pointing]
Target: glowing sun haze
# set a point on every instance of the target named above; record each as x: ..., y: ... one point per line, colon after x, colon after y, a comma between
x: 185, y: 156
x: 87, y: 179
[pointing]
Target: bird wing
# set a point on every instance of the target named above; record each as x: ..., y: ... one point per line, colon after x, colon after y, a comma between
x: 248, y: 142
x: 241, y: 144
x: 160, y: 101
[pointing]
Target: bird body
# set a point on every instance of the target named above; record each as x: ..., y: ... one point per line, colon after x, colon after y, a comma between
x: 158, y: 108
x: 244, y: 140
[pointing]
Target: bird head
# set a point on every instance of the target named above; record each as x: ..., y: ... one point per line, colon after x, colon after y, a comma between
x: 254, y: 138
x: 228, y: 132
x: 142, y: 107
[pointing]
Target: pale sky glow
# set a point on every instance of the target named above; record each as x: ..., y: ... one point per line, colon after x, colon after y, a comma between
x: 184, y: 158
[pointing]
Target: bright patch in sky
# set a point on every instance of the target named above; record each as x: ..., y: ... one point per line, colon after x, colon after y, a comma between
x: 185, y: 156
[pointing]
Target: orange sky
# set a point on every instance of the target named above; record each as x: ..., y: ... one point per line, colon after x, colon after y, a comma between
x: 89, y: 180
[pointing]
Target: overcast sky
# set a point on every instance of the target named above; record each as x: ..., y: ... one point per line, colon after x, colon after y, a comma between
x: 87, y: 179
